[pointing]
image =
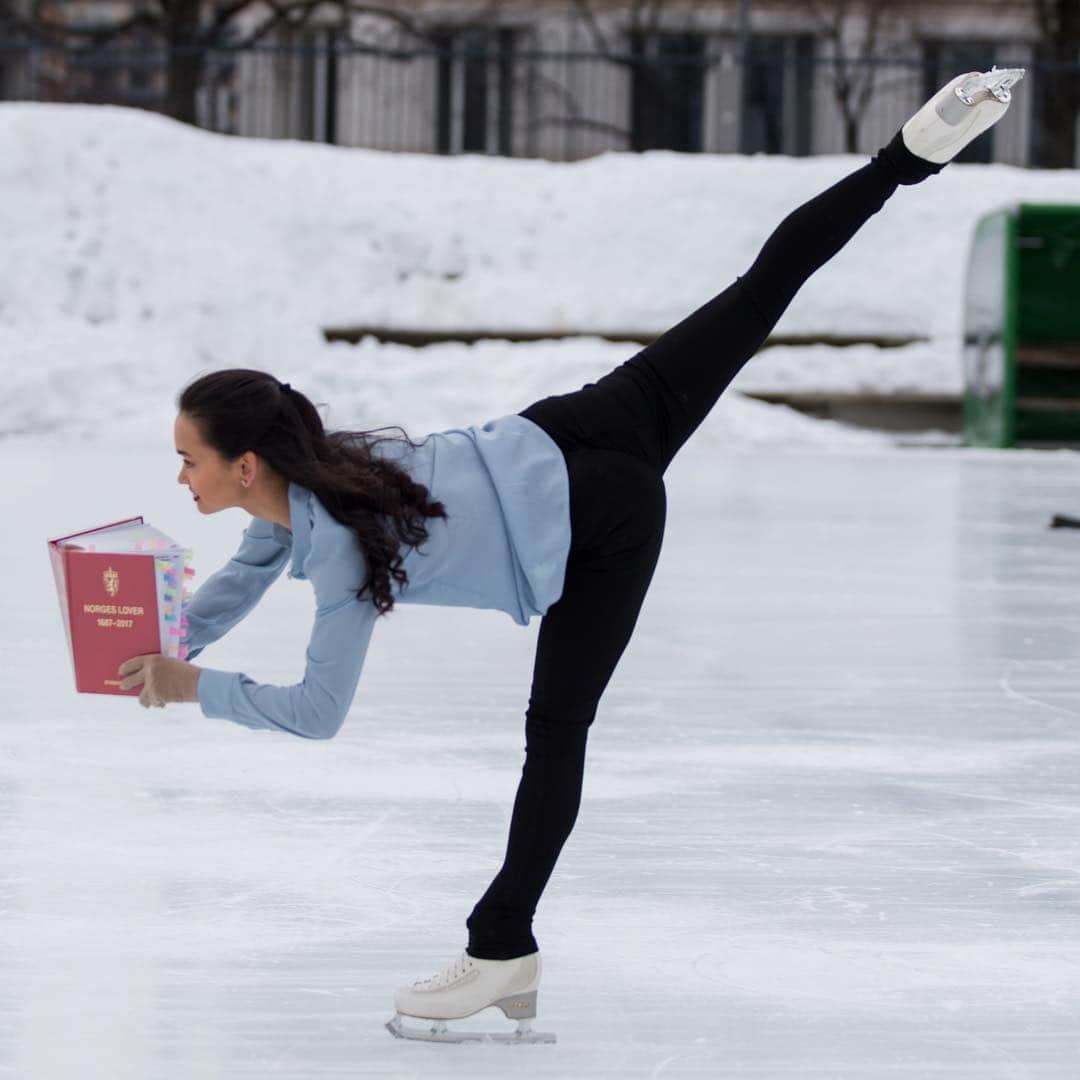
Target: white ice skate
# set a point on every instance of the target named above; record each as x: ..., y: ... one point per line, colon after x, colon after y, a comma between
x: 958, y: 112
x: 464, y: 988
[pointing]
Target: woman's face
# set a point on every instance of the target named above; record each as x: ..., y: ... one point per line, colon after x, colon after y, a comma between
x: 214, y: 482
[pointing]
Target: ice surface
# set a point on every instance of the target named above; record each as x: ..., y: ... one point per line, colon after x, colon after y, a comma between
x: 830, y: 825
x: 831, y: 807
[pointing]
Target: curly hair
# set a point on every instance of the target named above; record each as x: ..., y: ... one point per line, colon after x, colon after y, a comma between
x: 241, y: 409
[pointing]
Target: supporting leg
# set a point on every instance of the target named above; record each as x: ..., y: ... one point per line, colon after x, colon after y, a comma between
x: 617, y: 508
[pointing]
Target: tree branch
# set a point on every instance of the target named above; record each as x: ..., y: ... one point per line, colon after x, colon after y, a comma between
x: 51, y: 31
x: 1043, y: 18
x: 282, y: 15
x: 222, y: 18
x: 584, y: 9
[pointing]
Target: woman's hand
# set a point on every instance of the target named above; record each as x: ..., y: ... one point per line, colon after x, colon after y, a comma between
x: 162, y: 678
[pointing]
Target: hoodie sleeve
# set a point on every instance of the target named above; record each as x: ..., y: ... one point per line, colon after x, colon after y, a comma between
x: 228, y: 594
x: 315, y: 707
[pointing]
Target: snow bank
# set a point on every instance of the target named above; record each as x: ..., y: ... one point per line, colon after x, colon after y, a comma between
x: 139, y: 252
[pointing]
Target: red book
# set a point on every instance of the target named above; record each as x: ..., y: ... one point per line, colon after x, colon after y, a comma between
x: 122, y: 590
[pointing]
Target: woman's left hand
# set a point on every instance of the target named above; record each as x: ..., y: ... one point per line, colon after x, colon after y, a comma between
x: 163, y: 679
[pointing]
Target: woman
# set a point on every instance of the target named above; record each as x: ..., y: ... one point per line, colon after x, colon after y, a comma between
x: 556, y: 511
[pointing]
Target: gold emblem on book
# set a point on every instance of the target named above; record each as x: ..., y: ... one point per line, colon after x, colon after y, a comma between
x: 112, y: 581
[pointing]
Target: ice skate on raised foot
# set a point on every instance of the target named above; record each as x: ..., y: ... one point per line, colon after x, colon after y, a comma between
x: 958, y: 112
x: 463, y: 989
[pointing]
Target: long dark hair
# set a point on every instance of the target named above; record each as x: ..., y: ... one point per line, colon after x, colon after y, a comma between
x: 240, y: 409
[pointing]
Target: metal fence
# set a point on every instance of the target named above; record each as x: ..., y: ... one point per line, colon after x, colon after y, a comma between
x: 485, y: 91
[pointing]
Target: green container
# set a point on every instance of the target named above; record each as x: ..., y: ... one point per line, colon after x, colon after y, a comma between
x: 1022, y: 327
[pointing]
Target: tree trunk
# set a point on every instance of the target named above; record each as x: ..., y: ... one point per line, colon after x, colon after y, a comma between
x: 1059, y: 50
x: 185, y: 60
x: 1059, y: 106
x: 851, y: 130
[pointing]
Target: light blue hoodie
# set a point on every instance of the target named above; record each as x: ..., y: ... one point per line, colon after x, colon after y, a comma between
x: 504, y: 545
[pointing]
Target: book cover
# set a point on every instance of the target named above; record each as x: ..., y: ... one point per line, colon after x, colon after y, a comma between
x: 122, y: 590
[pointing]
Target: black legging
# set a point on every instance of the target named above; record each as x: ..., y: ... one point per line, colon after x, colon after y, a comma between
x: 618, y: 436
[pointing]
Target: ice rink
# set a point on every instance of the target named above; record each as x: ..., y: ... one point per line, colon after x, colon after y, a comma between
x: 830, y: 825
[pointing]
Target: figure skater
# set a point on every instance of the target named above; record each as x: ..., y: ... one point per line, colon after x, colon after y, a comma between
x: 555, y: 511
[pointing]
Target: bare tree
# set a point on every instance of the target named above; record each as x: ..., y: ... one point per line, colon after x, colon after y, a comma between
x: 638, y: 16
x: 624, y: 45
x: 1058, y: 50
x: 189, y: 30
x: 857, y: 31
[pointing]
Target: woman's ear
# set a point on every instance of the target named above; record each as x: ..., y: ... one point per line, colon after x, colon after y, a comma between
x: 248, y: 467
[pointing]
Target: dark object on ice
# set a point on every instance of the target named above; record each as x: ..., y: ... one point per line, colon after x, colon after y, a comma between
x: 1063, y: 521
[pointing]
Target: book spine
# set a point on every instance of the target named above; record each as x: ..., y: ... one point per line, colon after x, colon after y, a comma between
x: 57, y: 560
x: 65, y: 556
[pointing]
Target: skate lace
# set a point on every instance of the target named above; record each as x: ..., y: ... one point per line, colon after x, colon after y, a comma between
x: 450, y: 975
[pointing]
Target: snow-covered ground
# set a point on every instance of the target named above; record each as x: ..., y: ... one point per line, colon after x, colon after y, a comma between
x: 830, y: 809
x: 137, y: 252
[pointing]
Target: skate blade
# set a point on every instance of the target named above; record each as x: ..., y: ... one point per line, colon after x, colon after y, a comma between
x: 997, y: 81
x: 437, y: 1031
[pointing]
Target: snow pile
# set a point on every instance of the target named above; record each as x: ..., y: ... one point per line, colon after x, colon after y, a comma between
x: 139, y: 252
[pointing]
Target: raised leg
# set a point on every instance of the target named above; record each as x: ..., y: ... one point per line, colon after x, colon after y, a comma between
x: 652, y: 403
